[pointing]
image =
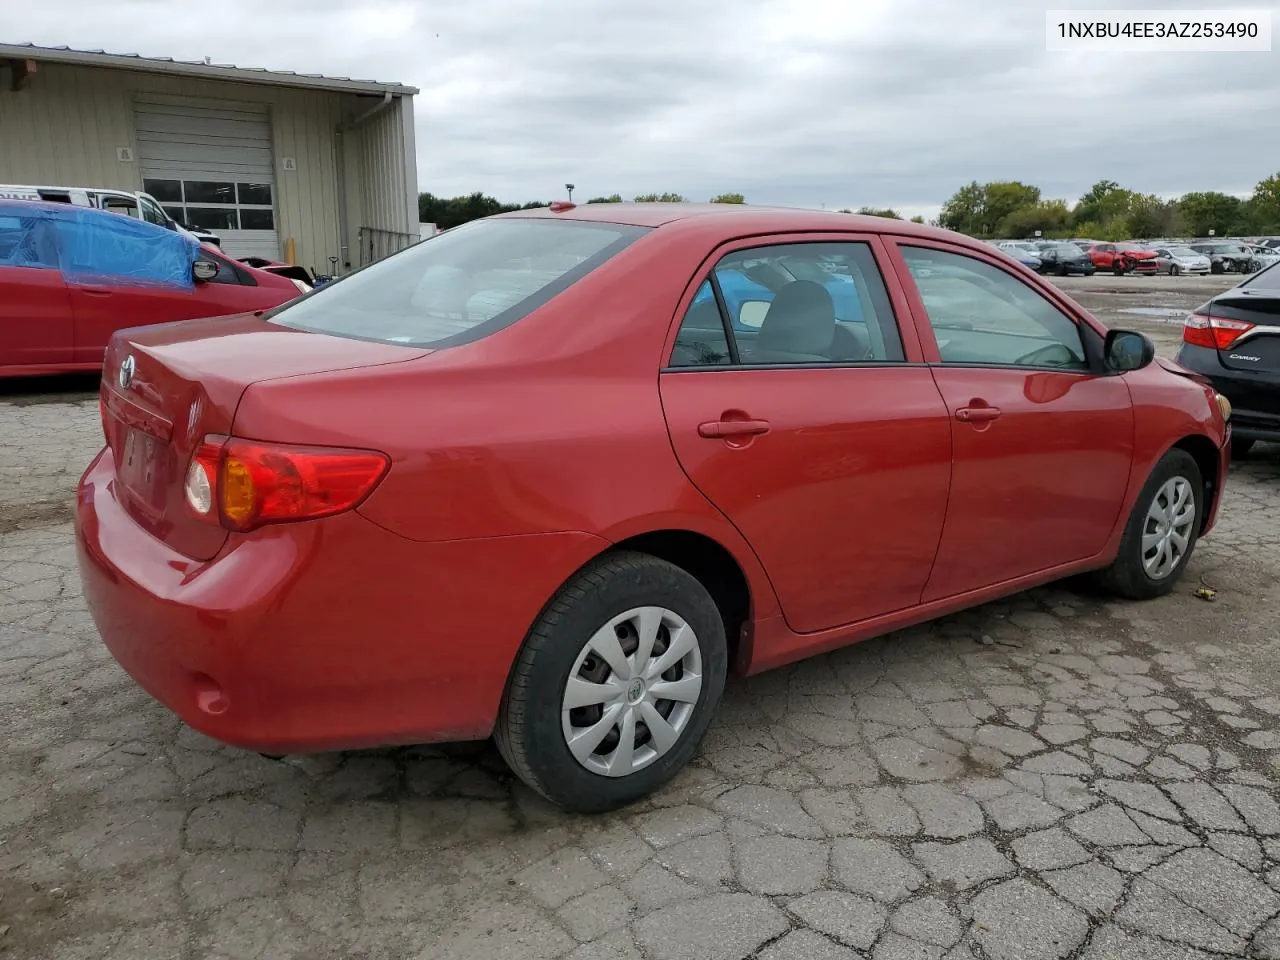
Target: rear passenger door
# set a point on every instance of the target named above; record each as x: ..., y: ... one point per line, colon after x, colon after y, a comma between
x: 823, y: 440
x: 35, y: 308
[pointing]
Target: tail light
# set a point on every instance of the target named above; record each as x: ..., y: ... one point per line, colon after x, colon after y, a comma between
x: 245, y: 484
x: 1216, y: 333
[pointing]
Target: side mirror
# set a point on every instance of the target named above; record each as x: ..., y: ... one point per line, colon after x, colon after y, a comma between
x: 205, y: 269
x: 1127, y: 350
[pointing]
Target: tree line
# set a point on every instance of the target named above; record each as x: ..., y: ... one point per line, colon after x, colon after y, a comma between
x: 1108, y: 211
x: 446, y: 212
x: 999, y: 209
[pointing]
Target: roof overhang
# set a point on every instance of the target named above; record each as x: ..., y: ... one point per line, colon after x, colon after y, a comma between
x: 22, y: 52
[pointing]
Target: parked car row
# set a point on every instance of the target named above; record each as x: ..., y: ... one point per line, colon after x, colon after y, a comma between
x: 1142, y: 257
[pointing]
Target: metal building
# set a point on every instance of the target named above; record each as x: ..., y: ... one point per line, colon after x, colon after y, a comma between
x: 276, y: 163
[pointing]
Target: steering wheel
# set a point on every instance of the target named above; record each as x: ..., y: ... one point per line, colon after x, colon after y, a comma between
x: 1053, y: 355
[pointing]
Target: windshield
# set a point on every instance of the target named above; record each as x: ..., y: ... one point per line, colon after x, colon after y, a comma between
x: 459, y: 285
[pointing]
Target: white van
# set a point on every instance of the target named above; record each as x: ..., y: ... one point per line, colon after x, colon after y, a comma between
x: 140, y: 206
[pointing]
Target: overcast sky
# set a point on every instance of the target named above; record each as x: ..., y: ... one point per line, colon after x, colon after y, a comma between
x: 800, y: 103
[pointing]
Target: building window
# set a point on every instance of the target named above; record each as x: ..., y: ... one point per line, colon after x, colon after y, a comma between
x: 216, y: 205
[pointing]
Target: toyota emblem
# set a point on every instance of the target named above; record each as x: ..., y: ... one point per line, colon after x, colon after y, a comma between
x: 126, y: 372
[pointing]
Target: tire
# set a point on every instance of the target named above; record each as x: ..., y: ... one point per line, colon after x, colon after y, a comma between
x: 1240, y: 447
x: 1174, y: 270
x: 1063, y: 271
x: 1128, y: 576
x: 1117, y: 267
x: 532, y: 723
x: 1216, y: 267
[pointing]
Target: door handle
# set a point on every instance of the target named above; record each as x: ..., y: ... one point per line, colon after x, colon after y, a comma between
x: 98, y: 291
x: 718, y: 429
x: 978, y: 414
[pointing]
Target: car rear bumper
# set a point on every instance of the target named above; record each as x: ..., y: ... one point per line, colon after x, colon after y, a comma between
x: 332, y: 634
x: 1255, y: 397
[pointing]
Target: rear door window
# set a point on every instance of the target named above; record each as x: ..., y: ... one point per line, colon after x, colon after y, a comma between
x: 792, y: 303
x: 462, y: 284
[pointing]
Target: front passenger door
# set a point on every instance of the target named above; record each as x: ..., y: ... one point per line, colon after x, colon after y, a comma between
x: 1042, y: 439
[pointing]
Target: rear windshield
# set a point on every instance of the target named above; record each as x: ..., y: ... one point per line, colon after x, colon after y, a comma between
x: 459, y: 285
x: 1267, y: 278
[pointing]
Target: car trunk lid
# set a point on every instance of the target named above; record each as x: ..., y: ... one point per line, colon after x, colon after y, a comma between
x: 1256, y: 348
x: 165, y: 387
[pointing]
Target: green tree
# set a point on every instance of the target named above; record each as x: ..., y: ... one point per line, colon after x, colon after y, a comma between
x: 660, y: 198
x: 1210, y: 210
x: 963, y: 212
x: 611, y: 198
x: 1004, y: 197
x: 1047, y: 216
x: 1149, y: 216
x: 729, y: 198
x: 917, y: 219
x: 1104, y: 202
x: 1265, y: 204
x: 880, y: 212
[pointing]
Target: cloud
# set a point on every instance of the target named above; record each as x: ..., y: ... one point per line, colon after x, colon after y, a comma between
x: 793, y: 102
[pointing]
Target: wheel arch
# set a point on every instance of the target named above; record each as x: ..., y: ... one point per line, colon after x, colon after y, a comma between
x: 1207, y: 457
x: 716, y: 568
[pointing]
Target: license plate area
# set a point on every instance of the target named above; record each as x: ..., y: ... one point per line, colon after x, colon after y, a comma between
x: 141, y: 468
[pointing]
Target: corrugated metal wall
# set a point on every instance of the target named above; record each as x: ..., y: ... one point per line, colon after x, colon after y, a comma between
x: 379, y: 183
x: 66, y: 126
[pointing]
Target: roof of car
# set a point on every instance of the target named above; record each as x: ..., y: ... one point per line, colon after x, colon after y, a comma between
x: 742, y: 216
x: 51, y: 209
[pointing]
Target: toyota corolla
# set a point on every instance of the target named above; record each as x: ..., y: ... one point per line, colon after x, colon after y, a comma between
x: 529, y: 479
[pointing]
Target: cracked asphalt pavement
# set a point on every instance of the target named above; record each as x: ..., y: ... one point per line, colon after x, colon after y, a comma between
x: 1055, y: 775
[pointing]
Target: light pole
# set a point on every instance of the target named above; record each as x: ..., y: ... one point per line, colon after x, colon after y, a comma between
x: 569, y: 187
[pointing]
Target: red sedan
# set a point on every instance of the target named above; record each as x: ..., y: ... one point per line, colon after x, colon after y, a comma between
x: 535, y: 478
x: 70, y: 277
x: 1122, y: 258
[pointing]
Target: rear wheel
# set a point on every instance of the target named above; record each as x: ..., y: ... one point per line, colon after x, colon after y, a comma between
x: 1161, y: 533
x: 616, y: 684
x: 1240, y: 447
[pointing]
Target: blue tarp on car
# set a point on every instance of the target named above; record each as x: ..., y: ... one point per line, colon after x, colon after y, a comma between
x: 94, y: 246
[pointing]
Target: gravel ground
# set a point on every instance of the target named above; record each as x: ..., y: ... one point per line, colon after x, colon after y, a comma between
x: 1050, y: 776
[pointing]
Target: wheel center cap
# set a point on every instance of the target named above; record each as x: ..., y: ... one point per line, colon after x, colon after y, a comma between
x: 635, y: 691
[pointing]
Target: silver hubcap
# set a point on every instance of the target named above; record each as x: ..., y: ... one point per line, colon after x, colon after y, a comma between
x: 632, y: 691
x: 1167, y: 531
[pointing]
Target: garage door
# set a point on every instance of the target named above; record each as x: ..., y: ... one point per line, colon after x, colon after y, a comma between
x: 209, y: 164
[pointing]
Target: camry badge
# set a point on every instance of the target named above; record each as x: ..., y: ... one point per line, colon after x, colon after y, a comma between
x: 125, y: 376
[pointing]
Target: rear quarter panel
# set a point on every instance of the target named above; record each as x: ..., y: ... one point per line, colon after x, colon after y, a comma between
x: 553, y: 424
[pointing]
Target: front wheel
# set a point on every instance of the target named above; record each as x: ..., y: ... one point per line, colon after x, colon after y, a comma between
x: 1161, y: 533
x: 1174, y: 270
x: 616, y: 684
x: 1117, y: 267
